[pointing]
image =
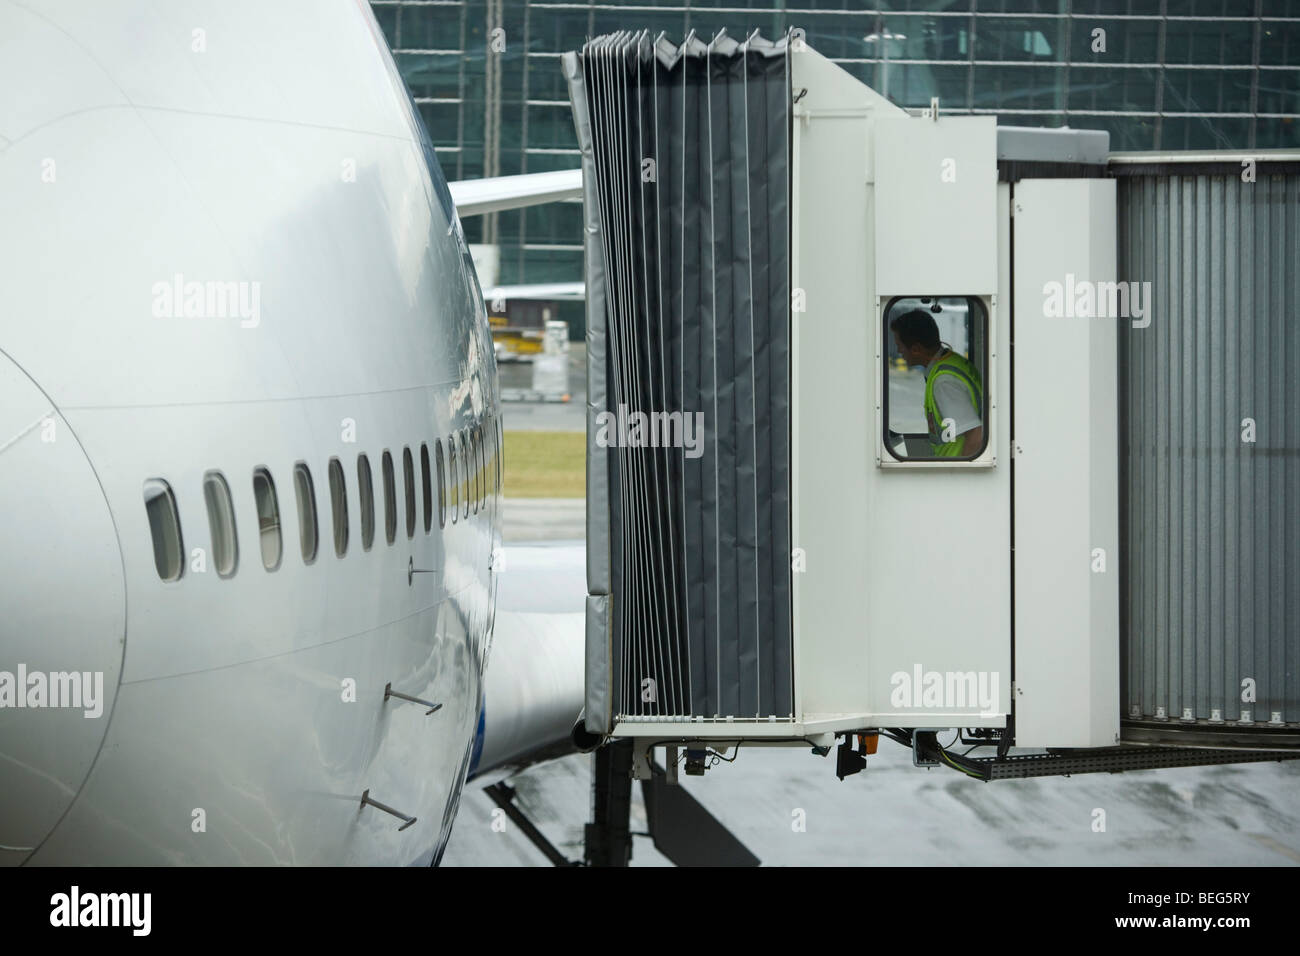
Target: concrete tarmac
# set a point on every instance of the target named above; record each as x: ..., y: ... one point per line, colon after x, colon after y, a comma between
x: 544, y: 519
x: 786, y: 805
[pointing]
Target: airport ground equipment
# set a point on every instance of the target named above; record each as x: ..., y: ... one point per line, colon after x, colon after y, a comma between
x: 774, y: 554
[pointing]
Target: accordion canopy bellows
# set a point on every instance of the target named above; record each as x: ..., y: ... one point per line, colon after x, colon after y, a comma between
x: 686, y: 173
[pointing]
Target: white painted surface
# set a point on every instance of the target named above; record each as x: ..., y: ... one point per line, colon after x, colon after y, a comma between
x: 475, y: 197
x: 935, y: 205
x: 831, y: 383
x: 905, y: 568
x: 1067, y: 615
x: 230, y: 164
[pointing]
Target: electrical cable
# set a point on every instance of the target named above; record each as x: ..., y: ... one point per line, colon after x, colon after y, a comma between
x: 948, y: 759
x: 717, y: 756
x: 955, y: 761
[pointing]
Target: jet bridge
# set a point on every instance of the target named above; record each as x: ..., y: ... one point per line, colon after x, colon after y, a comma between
x: 786, y: 544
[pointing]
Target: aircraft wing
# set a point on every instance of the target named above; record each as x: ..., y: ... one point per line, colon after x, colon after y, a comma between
x: 533, y: 689
x: 474, y: 197
x: 547, y: 291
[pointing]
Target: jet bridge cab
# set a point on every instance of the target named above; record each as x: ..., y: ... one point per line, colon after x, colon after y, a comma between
x: 901, y: 332
x: 983, y: 573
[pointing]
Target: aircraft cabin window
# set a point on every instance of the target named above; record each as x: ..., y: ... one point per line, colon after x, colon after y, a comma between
x: 484, y: 458
x: 478, y: 472
x: 408, y: 474
x: 339, y: 507
x: 476, y: 452
x: 221, y: 524
x: 936, y: 363
x: 426, y: 481
x: 390, y: 499
x: 165, y: 528
x: 455, y: 480
x: 483, y: 464
x: 467, y: 451
x: 268, y: 518
x: 442, y: 484
x: 495, y: 456
x: 366, y: 489
x: 305, y: 492
x: 472, y: 437
x: 465, y: 462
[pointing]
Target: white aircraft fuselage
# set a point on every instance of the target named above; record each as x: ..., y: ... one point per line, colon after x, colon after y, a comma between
x: 225, y: 249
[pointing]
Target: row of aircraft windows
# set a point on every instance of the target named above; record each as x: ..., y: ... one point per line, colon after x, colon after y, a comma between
x: 473, y: 462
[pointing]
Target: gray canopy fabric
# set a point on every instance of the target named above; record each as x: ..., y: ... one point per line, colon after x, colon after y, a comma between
x: 686, y: 163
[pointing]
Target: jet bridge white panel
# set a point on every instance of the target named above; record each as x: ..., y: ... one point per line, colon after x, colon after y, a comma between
x: 908, y: 570
x: 1066, y: 490
x: 936, y: 203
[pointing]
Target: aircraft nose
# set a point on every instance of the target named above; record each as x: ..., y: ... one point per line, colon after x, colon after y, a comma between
x: 62, y: 615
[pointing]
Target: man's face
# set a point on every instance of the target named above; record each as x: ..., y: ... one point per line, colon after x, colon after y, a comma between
x: 911, y: 354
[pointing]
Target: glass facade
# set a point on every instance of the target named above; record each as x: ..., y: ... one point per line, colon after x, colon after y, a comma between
x: 1157, y: 74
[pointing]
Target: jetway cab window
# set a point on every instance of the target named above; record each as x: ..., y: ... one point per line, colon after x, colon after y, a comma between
x: 390, y: 499
x: 268, y: 518
x: 936, y: 364
x: 305, y: 491
x: 221, y: 524
x: 339, y: 507
x: 165, y: 528
x: 366, y: 488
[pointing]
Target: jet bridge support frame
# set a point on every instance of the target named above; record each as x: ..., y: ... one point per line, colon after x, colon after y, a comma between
x: 608, y: 837
x: 1066, y: 762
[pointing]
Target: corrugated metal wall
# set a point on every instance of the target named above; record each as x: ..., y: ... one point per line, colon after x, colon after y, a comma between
x: 1211, y: 589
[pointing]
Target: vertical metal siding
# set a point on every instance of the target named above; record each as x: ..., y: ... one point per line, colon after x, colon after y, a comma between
x: 1211, y: 590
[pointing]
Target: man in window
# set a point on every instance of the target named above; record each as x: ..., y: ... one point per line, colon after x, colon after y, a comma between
x: 954, y: 395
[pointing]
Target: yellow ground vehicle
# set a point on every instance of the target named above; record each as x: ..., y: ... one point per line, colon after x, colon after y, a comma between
x: 519, y: 332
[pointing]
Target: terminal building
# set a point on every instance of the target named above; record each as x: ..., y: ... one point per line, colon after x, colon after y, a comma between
x: 1161, y: 75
